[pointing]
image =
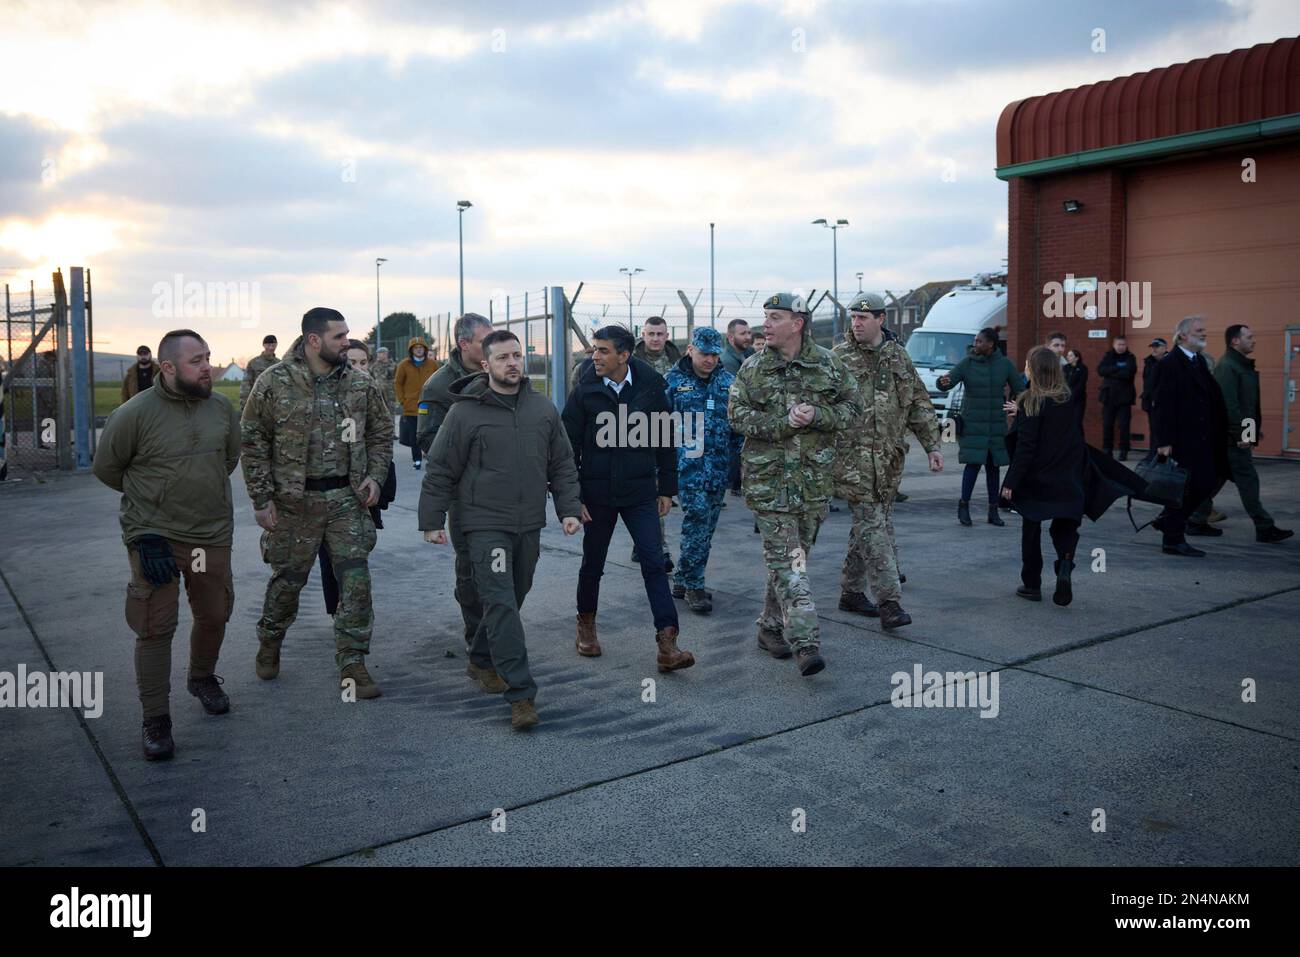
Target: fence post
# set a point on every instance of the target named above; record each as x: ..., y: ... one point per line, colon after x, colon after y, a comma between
x: 82, y: 398
x: 62, y: 372
x: 559, y: 326
x: 690, y: 314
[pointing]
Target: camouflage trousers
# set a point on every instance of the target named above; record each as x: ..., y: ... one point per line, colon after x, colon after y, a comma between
x: 700, y: 511
x: 873, y: 556
x: 788, y: 609
x: 338, y: 521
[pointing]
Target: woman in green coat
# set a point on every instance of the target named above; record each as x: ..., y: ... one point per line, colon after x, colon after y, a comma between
x: 987, y: 375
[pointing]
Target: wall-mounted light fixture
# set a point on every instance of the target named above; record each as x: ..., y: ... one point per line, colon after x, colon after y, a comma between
x: 1072, y: 205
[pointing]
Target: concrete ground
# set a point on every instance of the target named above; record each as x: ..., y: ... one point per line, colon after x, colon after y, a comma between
x: 1127, y: 704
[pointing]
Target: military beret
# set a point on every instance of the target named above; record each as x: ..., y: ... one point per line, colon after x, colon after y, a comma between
x: 707, y: 339
x: 867, y: 302
x: 788, y: 301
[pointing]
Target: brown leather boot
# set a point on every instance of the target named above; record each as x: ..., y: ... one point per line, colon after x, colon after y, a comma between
x: 773, y: 643
x: 587, y: 644
x: 671, y: 658
x: 523, y: 715
x: 488, y: 678
x: 364, y: 684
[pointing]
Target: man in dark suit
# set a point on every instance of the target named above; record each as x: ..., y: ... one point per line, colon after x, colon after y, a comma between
x: 627, y: 468
x: 1188, y: 423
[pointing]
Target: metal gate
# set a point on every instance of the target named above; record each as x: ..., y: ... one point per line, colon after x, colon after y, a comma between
x: 48, y: 369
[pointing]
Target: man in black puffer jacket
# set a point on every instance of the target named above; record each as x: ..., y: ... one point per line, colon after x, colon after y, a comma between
x: 1117, y: 370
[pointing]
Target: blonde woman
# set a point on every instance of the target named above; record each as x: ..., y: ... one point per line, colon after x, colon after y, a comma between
x: 1045, y: 480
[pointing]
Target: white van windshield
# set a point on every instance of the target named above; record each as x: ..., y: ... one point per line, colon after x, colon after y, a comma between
x: 938, y: 350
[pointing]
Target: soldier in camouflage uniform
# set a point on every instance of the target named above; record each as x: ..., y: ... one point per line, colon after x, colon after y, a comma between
x: 382, y: 371
x: 789, y: 402
x: 869, y: 463
x: 317, y: 440
x: 698, y: 389
x: 256, y: 366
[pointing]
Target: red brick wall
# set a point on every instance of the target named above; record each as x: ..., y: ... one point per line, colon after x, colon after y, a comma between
x: 1044, y: 244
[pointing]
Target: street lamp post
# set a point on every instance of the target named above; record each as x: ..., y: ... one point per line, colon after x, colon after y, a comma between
x: 461, y: 206
x: 631, y: 271
x: 378, y: 320
x: 859, y: 282
x: 713, y: 310
x: 835, y: 279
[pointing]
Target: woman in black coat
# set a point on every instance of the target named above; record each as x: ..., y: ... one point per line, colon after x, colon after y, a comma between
x: 1076, y: 377
x: 1045, y: 481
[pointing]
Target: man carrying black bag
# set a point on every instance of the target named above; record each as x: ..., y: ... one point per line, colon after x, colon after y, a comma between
x: 1189, y: 423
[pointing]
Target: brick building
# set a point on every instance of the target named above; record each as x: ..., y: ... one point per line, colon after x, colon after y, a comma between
x: 1186, y: 178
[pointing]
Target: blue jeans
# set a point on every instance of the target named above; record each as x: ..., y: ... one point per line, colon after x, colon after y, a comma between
x: 642, y: 523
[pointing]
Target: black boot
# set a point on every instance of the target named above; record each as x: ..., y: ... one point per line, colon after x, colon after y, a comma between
x: 208, y: 691
x: 963, y: 512
x: 156, y: 737
x: 859, y: 602
x: 994, y: 517
x: 1064, y: 593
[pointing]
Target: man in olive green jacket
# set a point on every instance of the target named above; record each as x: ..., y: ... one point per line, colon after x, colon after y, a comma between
x: 317, y: 440
x: 499, y: 450
x: 435, y: 402
x: 170, y: 451
x: 1239, y: 382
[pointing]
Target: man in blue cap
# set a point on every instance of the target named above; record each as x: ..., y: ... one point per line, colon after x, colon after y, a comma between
x: 698, y: 388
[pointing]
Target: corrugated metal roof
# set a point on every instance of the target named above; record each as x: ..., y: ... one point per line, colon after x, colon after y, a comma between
x: 1222, y: 90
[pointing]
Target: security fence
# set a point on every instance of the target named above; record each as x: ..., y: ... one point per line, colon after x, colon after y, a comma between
x: 48, y: 361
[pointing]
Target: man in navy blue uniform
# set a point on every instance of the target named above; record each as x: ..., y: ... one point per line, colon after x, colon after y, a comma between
x: 698, y: 387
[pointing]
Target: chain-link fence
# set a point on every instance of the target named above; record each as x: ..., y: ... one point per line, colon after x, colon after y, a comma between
x: 48, y: 416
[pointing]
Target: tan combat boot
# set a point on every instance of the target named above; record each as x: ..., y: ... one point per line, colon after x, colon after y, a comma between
x: 365, y: 685
x: 523, y: 715
x: 671, y: 658
x: 774, y: 643
x: 587, y: 644
x: 488, y: 678
x: 267, y: 662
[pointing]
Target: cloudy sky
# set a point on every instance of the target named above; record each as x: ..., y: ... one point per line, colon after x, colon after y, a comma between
x: 285, y: 146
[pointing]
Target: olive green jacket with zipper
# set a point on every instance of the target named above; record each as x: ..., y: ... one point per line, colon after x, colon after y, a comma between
x: 496, y: 462
x: 171, y: 455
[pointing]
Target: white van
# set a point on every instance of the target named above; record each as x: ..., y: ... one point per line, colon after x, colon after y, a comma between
x: 948, y: 332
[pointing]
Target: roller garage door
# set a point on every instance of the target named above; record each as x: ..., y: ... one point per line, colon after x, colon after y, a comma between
x: 1212, y: 244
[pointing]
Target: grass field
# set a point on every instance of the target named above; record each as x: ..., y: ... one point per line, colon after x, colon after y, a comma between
x: 109, y: 397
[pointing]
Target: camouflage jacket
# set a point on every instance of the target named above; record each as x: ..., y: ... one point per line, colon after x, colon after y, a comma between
x: 787, y: 469
x: 383, y: 372
x: 279, y: 413
x: 708, y: 465
x: 256, y: 366
x: 661, y: 363
x: 869, y: 464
